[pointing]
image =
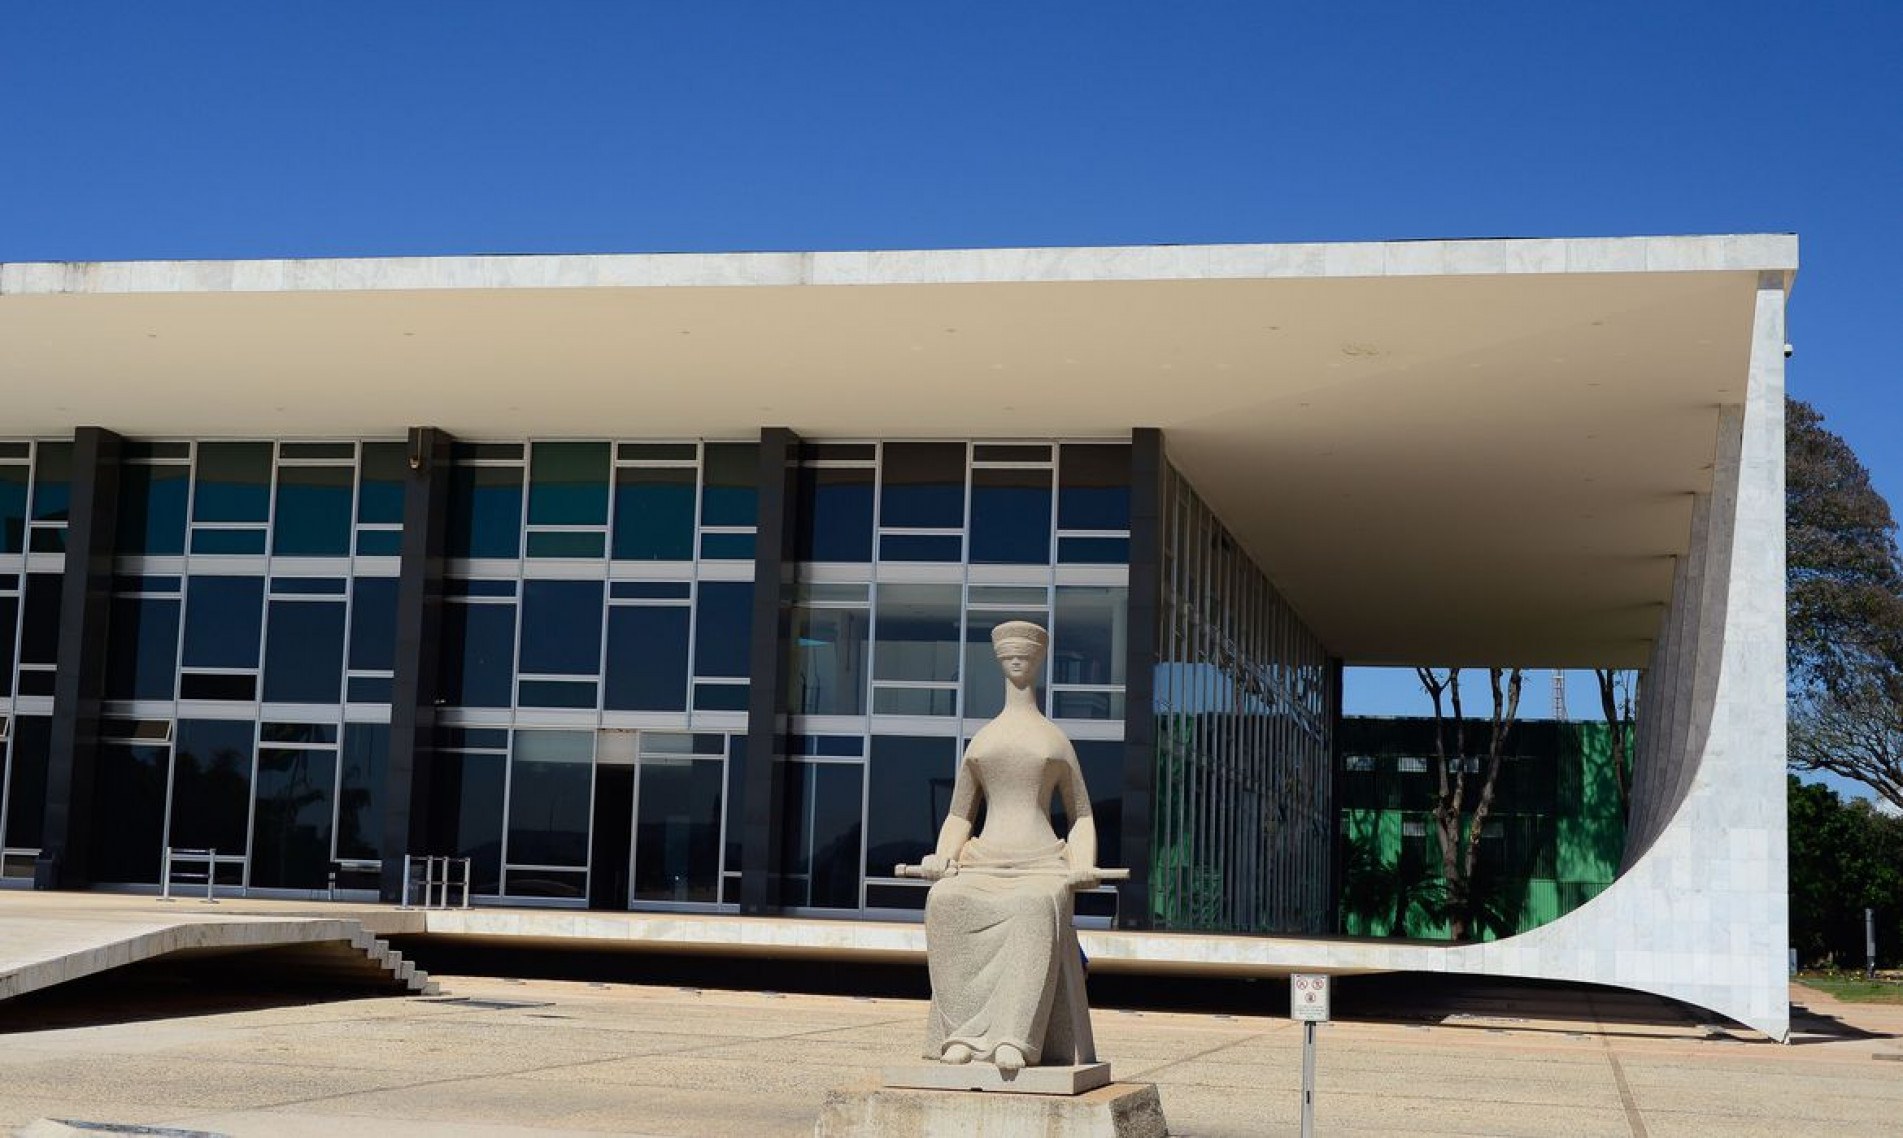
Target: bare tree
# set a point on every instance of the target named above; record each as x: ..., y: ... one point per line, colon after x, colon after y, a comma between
x: 1460, y: 846
x: 1855, y: 732
x: 1618, y: 691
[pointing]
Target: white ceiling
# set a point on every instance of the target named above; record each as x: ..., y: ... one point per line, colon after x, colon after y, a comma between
x: 1479, y: 467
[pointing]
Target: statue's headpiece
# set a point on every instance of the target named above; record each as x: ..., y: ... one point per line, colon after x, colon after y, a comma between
x: 1019, y: 636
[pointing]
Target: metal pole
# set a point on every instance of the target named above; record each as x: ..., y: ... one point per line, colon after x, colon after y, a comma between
x: 1308, y: 1079
x: 211, y: 875
x: 408, y: 872
x: 442, y: 884
x: 465, y: 883
x: 1869, y: 944
x: 165, y: 880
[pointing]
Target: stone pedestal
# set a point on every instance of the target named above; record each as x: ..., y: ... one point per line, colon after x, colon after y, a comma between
x: 1073, y: 1079
x: 870, y: 1110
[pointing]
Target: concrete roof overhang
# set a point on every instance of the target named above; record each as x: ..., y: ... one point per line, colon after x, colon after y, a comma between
x: 1441, y: 451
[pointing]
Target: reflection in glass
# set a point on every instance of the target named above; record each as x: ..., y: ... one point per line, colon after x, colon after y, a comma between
x: 822, y: 835
x: 373, y: 624
x: 142, y: 648
x: 485, y: 511
x: 290, y: 828
x: 907, y: 797
x: 466, y: 813
x: 723, y: 622
x: 561, y: 627
x: 152, y: 509
x: 128, y: 818
x: 677, y: 830
x: 828, y: 670
x: 922, y: 485
x: 233, y: 483
x: 918, y: 633
x: 568, y: 484
x: 224, y: 617
x: 727, y: 496
x: 478, y: 659
x: 1090, y: 635
x: 304, y: 652
x: 384, y: 470
x: 835, y: 514
x: 647, y: 658
x: 32, y: 744
x: 549, y: 783
x: 211, y: 785
x: 366, y: 756
x: 1010, y: 516
x: 654, y: 513
x: 313, y: 511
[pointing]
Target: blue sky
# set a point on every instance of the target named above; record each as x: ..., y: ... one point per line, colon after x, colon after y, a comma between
x: 339, y: 129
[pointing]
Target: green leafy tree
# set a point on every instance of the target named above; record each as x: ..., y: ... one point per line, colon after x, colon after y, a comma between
x: 1844, y: 857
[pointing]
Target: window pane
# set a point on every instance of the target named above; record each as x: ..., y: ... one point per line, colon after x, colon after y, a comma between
x: 128, y: 829
x: 211, y: 784
x: 32, y: 744
x: 466, y: 815
x: 379, y: 543
x: 39, y: 619
x: 918, y: 633
x: 304, y: 653
x: 727, y: 496
x: 984, y: 683
x: 224, y: 617
x: 562, y: 543
x: 549, y: 797
x: 711, y: 695
x: 313, y: 511
x: 385, y: 469
x: 485, y: 511
x: 231, y: 541
x: 290, y: 828
x: 233, y: 483
x: 152, y: 510
x: 654, y: 513
x: 677, y: 835
x: 727, y: 546
x: 478, y: 655
x: 722, y: 628
x: 949, y: 548
x: 9, y: 615
x: 142, y: 648
x: 736, y: 803
x: 907, y: 799
x: 1010, y: 517
x: 1093, y: 486
x: 1102, y: 764
x: 13, y: 483
x: 52, y: 481
x: 568, y: 484
x: 829, y: 661
x: 823, y: 814
x: 561, y: 627
x: 373, y: 624
x: 647, y: 658
x: 1090, y: 637
x: 836, y: 514
x: 922, y: 485
x: 366, y: 758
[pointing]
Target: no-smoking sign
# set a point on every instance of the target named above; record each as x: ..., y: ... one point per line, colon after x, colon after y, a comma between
x: 1308, y: 997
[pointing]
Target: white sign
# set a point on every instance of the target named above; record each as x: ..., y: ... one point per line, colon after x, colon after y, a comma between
x: 1308, y: 997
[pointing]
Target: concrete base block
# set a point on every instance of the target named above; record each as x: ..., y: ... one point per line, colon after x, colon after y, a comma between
x: 1074, y: 1079
x: 868, y: 1110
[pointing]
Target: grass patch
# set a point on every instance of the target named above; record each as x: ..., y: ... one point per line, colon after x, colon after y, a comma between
x: 1853, y: 988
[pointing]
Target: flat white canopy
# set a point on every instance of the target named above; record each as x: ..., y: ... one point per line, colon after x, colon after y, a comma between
x: 1441, y: 451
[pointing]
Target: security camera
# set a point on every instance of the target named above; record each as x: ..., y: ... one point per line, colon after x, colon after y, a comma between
x: 1789, y: 351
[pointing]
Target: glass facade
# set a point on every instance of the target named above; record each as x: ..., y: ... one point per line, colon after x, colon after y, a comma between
x: 1242, y: 836
x: 35, y: 483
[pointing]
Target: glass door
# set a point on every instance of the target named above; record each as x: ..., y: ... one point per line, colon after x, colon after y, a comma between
x: 679, y: 791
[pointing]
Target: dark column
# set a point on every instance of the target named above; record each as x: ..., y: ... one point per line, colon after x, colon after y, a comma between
x: 776, y: 560
x: 419, y: 617
x: 1338, y: 865
x: 1139, y: 700
x: 79, y: 684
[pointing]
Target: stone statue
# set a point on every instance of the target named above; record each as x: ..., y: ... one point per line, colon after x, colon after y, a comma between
x: 1007, y: 975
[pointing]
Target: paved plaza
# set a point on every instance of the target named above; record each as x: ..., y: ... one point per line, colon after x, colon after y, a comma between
x: 493, y: 1057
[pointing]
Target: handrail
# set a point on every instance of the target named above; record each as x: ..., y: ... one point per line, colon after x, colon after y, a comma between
x: 210, y: 873
x: 436, y: 886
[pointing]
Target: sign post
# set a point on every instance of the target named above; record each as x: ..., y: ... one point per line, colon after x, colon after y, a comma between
x: 1308, y: 1005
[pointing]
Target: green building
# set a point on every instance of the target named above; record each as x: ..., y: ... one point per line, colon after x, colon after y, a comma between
x: 1551, y: 841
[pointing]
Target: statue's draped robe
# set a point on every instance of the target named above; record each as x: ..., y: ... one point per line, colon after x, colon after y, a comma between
x: 1002, y: 950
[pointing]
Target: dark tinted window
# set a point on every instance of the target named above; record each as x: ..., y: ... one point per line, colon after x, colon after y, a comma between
x: 211, y: 784
x: 366, y: 756
x: 1010, y: 517
x: 128, y: 820
x: 385, y: 469
x: 373, y: 624
x: 836, y: 511
x: 485, y: 511
x: 152, y: 509
x: 1093, y: 486
x: 290, y: 826
x: 909, y: 794
x: 654, y: 513
x: 727, y: 496
x: 13, y: 483
x: 647, y: 658
x: 9, y: 614
x: 677, y: 834
x: 823, y: 813
x: 304, y: 652
x: 52, y: 481
x: 561, y: 627
x: 568, y: 484
x: 466, y: 816
x: 223, y: 619
x: 478, y: 655
x: 313, y: 511
x: 233, y: 483
x: 26, y: 780
x: 721, y: 631
x: 548, y: 797
x: 142, y: 648
x: 923, y: 485
x: 828, y: 672
x: 39, y: 619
